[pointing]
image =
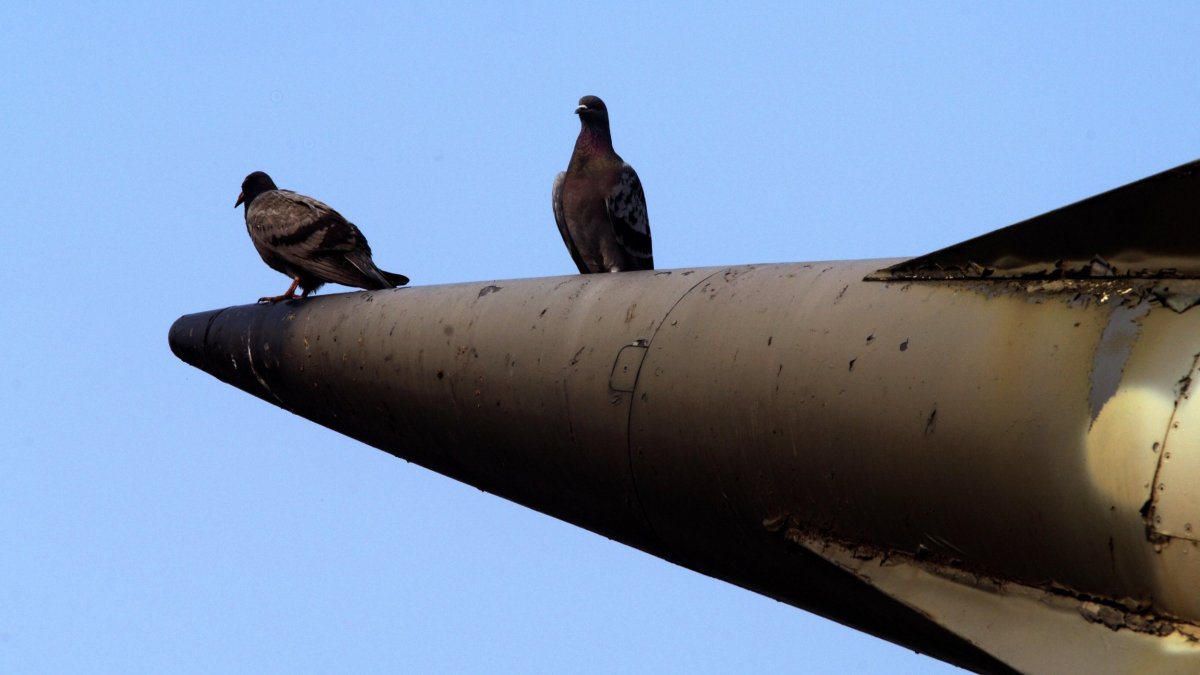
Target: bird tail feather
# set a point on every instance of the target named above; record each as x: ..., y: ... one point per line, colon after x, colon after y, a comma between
x: 369, y: 270
x: 395, y: 279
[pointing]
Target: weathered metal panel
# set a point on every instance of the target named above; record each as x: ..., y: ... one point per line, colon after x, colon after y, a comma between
x: 1175, y: 511
x: 771, y: 424
x: 1007, y: 432
x: 1145, y: 229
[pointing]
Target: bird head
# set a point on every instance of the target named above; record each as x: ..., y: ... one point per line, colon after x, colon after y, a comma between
x: 254, y: 185
x: 592, y: 111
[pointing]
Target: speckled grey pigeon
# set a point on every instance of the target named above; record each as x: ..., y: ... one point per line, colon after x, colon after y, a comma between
x: 308, y: 241
x: 599, y: 203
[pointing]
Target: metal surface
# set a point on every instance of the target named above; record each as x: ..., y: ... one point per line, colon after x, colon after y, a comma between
x: 922, y: 425
x: 1144, y: 229
x: 1175, y: 509
x: 1000, y: 470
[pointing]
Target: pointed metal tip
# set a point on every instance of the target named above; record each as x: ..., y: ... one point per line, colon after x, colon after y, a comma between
x: 186, y: 337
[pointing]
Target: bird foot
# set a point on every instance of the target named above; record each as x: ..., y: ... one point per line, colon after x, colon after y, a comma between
x: 289, y: 294
x: 270, y: 300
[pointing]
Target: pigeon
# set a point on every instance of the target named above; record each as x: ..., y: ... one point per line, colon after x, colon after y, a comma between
x: 308, y: 241
x: 599, y: 203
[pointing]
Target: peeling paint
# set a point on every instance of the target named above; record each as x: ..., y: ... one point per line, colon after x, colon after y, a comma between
x: 1115, y: 346
x: 1116, y: 619
x: 1180, y: 296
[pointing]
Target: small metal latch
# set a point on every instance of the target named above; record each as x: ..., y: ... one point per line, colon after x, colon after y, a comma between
x: 628, y: 363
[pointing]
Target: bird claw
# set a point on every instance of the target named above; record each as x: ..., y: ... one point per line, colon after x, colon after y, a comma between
x: 289, y: 294
x: 270, y: 300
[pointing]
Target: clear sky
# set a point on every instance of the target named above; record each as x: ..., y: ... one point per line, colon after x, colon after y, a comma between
x: 153, y: 519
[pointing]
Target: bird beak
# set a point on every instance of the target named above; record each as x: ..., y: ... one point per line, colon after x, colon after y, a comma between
x: 239, y: 201
x: 580, y: 110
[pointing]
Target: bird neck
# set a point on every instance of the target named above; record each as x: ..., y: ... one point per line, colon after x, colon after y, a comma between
x: 594, y: 141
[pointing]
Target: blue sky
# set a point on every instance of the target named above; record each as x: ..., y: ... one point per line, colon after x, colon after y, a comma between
x: 153, y: 519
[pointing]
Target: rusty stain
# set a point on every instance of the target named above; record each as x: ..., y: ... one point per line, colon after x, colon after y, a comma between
x: 448, y: 330
x: 630, y: 313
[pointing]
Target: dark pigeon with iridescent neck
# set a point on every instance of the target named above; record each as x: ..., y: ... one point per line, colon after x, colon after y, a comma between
x: 599, y: 203
x: 308, y: 241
